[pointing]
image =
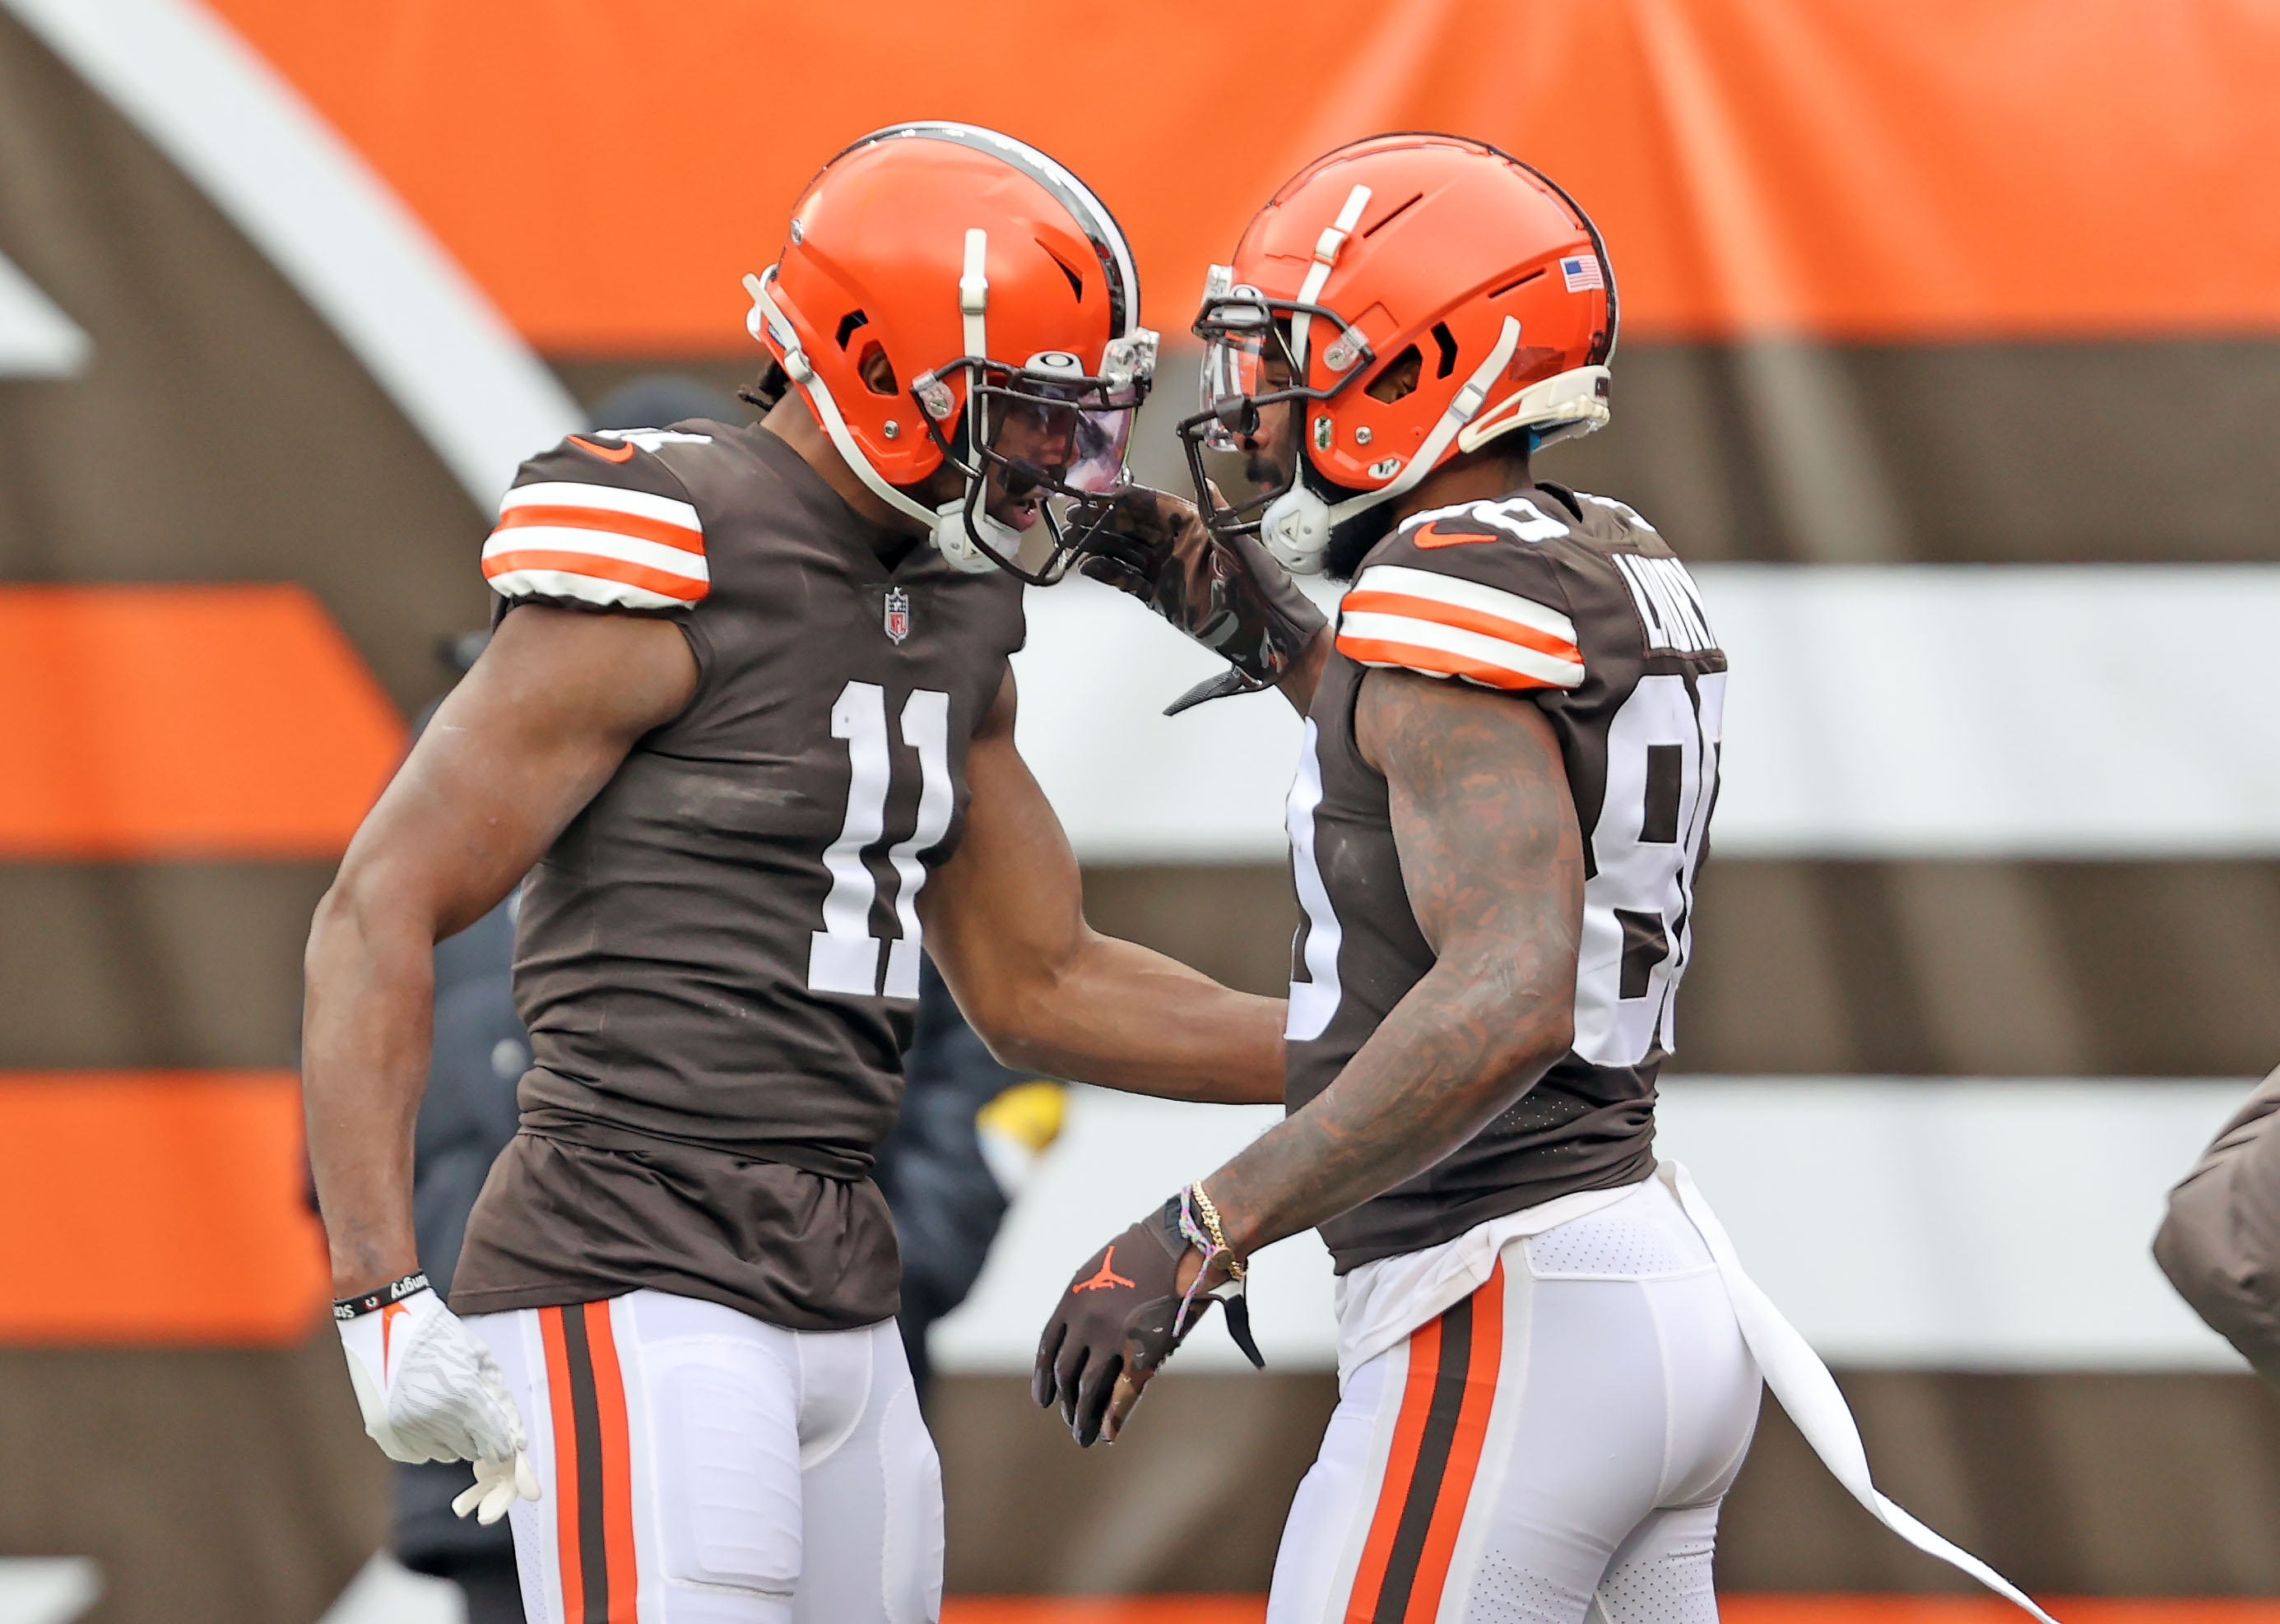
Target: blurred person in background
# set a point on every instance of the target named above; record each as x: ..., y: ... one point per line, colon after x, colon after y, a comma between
x: 1511, y: 755
x: 746, y: 724
x: 2219, y: 1242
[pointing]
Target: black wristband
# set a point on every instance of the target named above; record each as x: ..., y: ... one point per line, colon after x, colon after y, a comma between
x: 394, y: 1291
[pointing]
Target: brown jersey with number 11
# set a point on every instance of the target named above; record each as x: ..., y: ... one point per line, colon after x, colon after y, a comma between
x: 1574, y: 603
x: 719, y: 958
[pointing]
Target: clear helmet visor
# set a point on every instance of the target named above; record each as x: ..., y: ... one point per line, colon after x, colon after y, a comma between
x: 1246, y: 355
x: 1077, y: 444
x: 1233, y: 366
x: 1070, y: 435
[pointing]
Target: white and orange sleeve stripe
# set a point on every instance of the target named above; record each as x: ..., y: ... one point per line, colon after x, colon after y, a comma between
x: 1443, y: 626
x: 598, y: 545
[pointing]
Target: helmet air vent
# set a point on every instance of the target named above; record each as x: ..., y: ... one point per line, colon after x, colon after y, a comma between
x: 1394, y: 215
x: 1446, y: 342
x: 848, y: 323
x: 1076, y: 282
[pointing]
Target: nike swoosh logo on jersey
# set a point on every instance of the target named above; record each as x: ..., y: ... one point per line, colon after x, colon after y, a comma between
x: 623, y: 453
x: 1430, y: 535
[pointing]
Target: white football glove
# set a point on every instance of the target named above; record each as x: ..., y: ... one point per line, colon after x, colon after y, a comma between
x: 430, y: 1390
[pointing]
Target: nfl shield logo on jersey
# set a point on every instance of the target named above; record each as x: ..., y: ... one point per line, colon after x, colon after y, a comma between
x: 899, y: 613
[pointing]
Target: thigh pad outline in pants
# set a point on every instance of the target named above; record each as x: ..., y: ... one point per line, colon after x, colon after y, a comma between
x: 770, y: 1476
x: 663, y: 1431
x: 726, y: 1406
x: 872, y: 1484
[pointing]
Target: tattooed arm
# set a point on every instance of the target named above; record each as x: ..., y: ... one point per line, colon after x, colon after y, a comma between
x: 1493, y: 865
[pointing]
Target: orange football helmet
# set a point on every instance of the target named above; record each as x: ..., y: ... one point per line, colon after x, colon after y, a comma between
x: 1417, y: 295
x: 997, y: 290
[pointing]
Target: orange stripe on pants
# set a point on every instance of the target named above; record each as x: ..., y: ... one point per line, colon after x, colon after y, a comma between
x: 1400, y: 1465
x: 617, y: 1465
x: 593, y: 1465
x: 1486, y: 1365
x: 1437, y: 1437
x: 566, y: 1459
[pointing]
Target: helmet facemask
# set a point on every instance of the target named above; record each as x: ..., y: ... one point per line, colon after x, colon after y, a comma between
x: 1254, y: 359
x: 1050, y: 398
x: 1046, y: 431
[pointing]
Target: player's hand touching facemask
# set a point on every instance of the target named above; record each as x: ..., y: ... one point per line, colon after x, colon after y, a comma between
x: 1226, y: 592
x: 430, y: 1390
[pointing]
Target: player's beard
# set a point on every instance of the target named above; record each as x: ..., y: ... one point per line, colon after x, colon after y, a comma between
x: 1351, y: 542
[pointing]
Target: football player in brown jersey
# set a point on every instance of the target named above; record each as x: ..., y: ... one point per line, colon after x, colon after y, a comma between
x: 1510, y: 755
x: 744, y: 737
x: 1549, y: 1360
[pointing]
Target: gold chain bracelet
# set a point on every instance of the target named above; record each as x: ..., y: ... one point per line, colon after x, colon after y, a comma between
x: 1209, y: 1213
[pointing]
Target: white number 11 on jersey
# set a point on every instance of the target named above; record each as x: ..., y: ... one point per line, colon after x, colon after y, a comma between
x: 844, y: 955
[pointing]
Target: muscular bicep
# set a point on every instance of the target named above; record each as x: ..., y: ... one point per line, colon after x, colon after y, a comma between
x: 511, y: 755
x: 1005, y: 920
x: 1494, y: 871
x: 1008, y: 908
x: 1491, y: 857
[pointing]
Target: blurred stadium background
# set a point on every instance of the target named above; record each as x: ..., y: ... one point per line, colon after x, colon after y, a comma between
x: 1951, y: 354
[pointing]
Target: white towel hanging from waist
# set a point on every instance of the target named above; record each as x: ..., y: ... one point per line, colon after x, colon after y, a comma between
x: 1810, y: 1395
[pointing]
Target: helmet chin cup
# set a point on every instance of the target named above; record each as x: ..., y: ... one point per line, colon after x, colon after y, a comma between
x: 1295, y: 528
x: 954, y: 539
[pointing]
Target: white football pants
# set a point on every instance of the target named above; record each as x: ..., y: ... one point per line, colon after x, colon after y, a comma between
x: 1553, y: 1448
x: 701, y: 1467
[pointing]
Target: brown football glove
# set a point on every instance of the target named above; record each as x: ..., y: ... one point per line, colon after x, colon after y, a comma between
x: 1117, y: 1319
x: 1226, y: 592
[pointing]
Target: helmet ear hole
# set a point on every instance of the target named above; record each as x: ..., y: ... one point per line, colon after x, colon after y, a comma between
x: 1398, y: 377
x: 877, y: 373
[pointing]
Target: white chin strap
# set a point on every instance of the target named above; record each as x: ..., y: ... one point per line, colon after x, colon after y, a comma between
x: 1297, y: 525
x: 946, y: 524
